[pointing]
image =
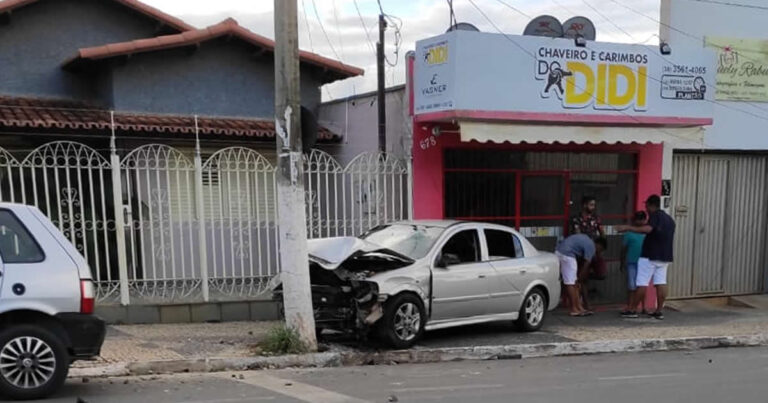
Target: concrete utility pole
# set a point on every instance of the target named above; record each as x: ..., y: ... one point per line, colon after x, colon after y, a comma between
x: 297, y: 297
x: 381, y: 96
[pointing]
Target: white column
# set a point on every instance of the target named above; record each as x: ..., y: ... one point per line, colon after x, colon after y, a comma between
x: 200, y: 215
x: 120, y: 216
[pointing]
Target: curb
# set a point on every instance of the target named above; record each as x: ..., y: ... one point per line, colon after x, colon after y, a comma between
x: 338, y: 359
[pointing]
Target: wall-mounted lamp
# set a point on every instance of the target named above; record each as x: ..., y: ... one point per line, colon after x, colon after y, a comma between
x: 580, y: 41
x: 664, y: 48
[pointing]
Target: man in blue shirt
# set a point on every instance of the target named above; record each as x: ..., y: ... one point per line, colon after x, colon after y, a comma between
x: 575, y: 254
x: 656, y: 254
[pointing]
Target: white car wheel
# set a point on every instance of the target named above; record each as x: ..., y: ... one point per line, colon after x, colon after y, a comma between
x: 27, y: 362
x: 533, y: 311
x: 403, y: 321
x: 407, y: 321
x: 33, y: 362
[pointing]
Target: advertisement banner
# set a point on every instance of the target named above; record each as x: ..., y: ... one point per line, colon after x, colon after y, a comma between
x: 536, y: 78
x: 742, y: 68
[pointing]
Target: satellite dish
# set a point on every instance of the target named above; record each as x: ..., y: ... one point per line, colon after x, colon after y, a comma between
x: 544, y: 25
x: 579, y: 26
x: 463, y: 26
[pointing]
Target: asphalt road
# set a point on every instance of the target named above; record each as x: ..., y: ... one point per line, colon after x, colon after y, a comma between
x: 720, y: 375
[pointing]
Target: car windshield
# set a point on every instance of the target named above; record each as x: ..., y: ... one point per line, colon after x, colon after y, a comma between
x: 409, y: 240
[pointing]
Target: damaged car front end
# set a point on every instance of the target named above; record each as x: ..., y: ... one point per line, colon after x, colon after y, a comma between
x: 346, y: 283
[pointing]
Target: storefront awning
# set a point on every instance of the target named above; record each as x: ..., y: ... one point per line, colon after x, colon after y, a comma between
x: 516, y: 133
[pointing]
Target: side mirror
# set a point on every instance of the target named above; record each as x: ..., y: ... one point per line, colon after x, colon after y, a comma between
x: 441, y: 263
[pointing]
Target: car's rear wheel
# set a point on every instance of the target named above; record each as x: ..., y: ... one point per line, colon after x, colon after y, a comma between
x: 533, y: 311
x: 33, y: 362
x: 403, y: 321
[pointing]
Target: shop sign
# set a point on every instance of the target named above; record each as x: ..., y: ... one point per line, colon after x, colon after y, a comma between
x: 742, y: 68
x: 435, y: 90
x: 542, y: 78
x: 583, y: 78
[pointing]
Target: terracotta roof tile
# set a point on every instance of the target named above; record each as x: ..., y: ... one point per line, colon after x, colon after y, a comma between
x: 28, y: 113
x: 226, y: 27
x: 171, y: 21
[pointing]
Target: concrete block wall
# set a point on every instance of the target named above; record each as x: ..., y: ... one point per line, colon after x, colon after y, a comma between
x: 189, y: 313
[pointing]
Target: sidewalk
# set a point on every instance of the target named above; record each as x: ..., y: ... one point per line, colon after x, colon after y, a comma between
x: 143, y: 343
x: 201, y: 343
x: 690, y: 318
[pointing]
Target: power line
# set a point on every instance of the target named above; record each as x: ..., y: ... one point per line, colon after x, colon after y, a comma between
x: 452, y: 15
x: 725, y: 3
x: 703, y: 41
x: 338, y: 28
x: 397, y: 23
x: 306, y: 21
x: 671, y: 64
x: 322, y: 27
x: 653, y: 78
x: 609, y: 20
x: 365, y: 27
x: 500, y: 31
x: 656, y: 21
x: 573, y: 13
x: 534, y: 57
x: 515, y: 9
x: 561, y: 5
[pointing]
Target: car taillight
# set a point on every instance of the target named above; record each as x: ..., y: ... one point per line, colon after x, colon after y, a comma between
x: 87, y: 296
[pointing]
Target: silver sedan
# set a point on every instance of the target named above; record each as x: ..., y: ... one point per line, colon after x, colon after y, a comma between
x: 404, y: 278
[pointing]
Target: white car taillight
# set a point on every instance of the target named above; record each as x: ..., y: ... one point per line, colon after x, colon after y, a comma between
x: 87, y: 296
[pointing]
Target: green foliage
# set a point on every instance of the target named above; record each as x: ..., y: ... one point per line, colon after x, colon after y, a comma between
x: 281, y: 340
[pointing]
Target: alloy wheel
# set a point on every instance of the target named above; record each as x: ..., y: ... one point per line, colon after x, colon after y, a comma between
x: 534, y: 309
x: 27, y: 362
x: 407, y: 321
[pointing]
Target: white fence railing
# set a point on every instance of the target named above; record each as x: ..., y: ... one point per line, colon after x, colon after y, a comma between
x: 159, y: 226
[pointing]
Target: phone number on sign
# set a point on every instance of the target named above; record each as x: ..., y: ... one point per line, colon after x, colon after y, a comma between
x: 686, y: 69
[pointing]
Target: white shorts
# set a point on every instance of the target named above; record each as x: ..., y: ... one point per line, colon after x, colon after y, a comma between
x: 569, y: 268
x: 651, y: 269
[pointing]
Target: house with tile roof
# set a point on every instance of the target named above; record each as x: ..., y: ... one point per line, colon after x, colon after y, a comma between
x: 68, y: 64
x: 150, y: 144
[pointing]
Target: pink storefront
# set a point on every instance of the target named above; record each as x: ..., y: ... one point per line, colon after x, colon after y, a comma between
x: 516, y: 130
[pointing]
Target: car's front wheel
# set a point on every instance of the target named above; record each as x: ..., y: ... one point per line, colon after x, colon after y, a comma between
x: 33, y: 362
x: 403, y: 321
x: 533, y: 311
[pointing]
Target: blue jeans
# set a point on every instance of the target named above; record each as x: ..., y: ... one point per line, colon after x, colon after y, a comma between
x: 632, y: 276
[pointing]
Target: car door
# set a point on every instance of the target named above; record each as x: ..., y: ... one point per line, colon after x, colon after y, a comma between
x: 511, y: 271
x: 35, y: 276
x: 2, y: 272
x: 460, y: 278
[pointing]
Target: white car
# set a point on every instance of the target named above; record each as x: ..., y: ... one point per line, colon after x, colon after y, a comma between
x: 407, y: 277
x: 46, y: 305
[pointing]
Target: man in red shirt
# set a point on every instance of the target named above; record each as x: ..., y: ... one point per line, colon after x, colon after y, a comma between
x: 587, y: 222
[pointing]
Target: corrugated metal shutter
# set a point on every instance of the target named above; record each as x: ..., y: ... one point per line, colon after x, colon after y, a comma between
x: 710, y: 225
x: 719, y: 203
x: 684, y: 180
x: 745, y: 236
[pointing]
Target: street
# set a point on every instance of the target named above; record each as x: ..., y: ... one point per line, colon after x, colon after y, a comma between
x: 736, y: 375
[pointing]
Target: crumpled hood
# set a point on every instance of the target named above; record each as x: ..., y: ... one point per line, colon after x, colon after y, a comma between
x: 330, y: 253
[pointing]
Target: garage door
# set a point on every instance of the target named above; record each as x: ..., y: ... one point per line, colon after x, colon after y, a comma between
x: 719, y: 204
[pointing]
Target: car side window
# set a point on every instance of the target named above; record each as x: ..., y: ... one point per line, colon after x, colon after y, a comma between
x: 502, y: 245
x: 518, y: 247
x: 463, y: 247
x: 16, y: 243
